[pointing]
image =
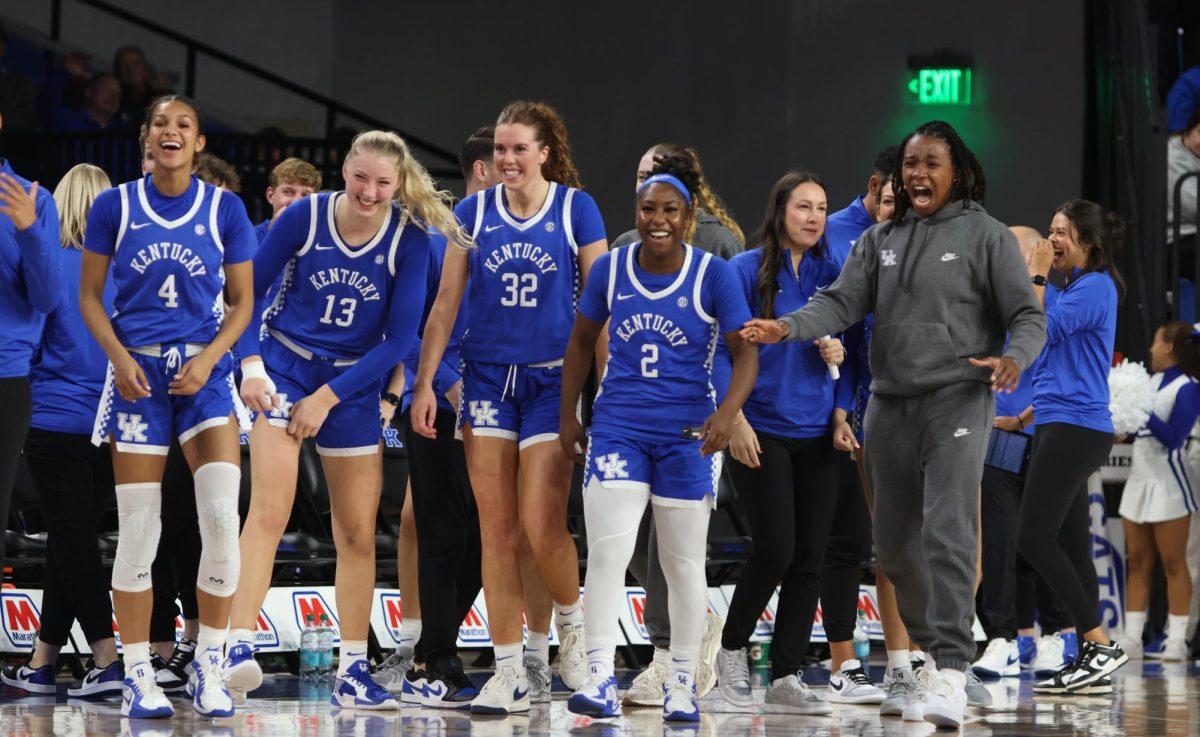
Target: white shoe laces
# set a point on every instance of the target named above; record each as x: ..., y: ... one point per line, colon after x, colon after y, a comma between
x: 924, y: 678
x: 737, y: 666
x: 655, y: 676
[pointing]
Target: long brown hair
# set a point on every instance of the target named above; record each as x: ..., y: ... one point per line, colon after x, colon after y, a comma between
x: 705, y: 196
x: 549, y: 130
x: 1179, y: 334
x: 769, y: 237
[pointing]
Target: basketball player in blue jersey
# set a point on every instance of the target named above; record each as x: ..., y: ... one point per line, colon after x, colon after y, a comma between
x: 174, y: 244
x: 667, y: 303
x: 354, y: 265
x: 536, y: 236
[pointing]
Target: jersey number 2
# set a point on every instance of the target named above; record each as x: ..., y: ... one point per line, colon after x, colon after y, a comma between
x: 649, y: 360
x: 347, y: 304
x: 519, y: 290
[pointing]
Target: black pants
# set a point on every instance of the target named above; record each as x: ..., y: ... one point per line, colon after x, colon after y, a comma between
x: 16, y: 407
x: 849, y: 548
x: 1053, y: 532
x: 1009, y: 598
x: 178, y: 558
x: 789, y: 503
x: 74, y: 482
x: 448, y: 547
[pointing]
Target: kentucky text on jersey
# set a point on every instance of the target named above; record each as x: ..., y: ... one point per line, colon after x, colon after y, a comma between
x: 528, y: 251
x: 350, y: 277
x: 168, y: 251
x: 653, y: 323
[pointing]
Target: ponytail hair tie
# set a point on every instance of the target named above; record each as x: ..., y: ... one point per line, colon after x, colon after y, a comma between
x: 672, y: 180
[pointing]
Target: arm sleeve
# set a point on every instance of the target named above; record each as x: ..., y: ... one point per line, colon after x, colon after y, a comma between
x: 586, y: 223
x: 848, y: 301
x: 1018, y: 306
x: 843, y: 393
x: 103, y: 222
x: 1082, y: 307
x: 41, y: 260
x: 286, y: 236
x: 404, y: 315
x: 594, y: 303
x: 1173, y: 433
x: 237, y: 233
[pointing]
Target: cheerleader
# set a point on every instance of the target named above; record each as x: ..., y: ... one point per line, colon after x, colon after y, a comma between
x: 536, y: 236
x: 175, y: 245
x: 1158, y: 501
x: 354, y: 267
x: 666, y: 303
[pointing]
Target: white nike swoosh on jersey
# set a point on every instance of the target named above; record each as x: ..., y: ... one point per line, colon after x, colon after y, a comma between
x: 624, y: 296
x: 490, y: 228
x: 138, y: 226
x: 319, y: 247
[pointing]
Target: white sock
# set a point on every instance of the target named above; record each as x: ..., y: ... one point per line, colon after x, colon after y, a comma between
x: 569, y: 615
x: 351, y: 652
x: 240, y: 636
x: 898, y: 659
x: 210, y: 642
x: 135, y: 653
x: 662, y: 656
x: 1177, y: 627
x: 510, y: 655
x: 1135, y: 624
x: 410, y: 632
x: 537, y: 645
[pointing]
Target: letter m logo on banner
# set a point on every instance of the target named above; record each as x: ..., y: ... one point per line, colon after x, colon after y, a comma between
x: 21, y: 620
x: 305, y: 603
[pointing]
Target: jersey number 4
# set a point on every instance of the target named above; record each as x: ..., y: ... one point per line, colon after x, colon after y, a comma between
x: 167, y: 292
x: 520, y: 290
x: 347, y: 305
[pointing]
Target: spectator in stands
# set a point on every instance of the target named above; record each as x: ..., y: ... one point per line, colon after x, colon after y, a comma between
x: 137, y: 90
x: 100, y: 110
x: 1183, y: 158
x: 291, y: 179
x: 218, y: 172
x: 17, y: 95
x: 1183, y: 99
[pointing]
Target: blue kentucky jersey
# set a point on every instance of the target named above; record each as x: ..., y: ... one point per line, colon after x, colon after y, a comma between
x: 168, y: 273
x: 663, y: 330
x: 334, y: 299
x: 525, y: 274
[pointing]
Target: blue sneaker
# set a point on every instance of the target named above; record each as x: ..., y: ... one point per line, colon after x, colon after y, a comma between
x: 242, y: 672
x: 33, y: 680
x: 141, y: 697
x: 356, y: 689
x: 679, y: 699
x: 99, y: 681
x: 597, y: 697
x: 1070, y: 645
x: 206, y: 686
x: 1026, y: 651
x: 415, y: 685
x: 1154, y: 648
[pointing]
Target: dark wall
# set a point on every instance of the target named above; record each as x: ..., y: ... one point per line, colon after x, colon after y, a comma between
x: 757, y: 87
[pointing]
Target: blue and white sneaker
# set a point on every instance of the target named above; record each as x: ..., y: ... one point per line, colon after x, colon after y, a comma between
x: 416, y: 683
x: 1026, y: 651
x: 679, y: 698
x: 447, y: 686
x: 99, y: 681
x: 506, y: 692
x: 1001, y: 659
x: 141, y: 697
x: 356, y: 689
x: 33, y: 680
x: 243, y: 674
x: 206, y: 686
x: 597, y: 697
x: 1155, y: 648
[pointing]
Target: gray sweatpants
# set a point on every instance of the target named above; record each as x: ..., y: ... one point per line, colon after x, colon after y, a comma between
x: 924, y: 459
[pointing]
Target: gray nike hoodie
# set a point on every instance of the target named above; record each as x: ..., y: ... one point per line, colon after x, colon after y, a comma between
x: 943, y: 289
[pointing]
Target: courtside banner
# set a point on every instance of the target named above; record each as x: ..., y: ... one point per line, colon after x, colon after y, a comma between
x: 1116, y: 468
x: 633, y: 613
x: 1108, y: 555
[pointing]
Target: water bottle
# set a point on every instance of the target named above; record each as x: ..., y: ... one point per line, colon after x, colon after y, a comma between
x: 862, y: 643
x: 309, y: 644
x: 325, y: 647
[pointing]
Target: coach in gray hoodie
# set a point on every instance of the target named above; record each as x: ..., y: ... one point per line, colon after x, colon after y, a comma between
x: 946, y: 283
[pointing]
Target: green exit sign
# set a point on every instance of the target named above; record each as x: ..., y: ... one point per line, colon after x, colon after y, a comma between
x: 942, y: 86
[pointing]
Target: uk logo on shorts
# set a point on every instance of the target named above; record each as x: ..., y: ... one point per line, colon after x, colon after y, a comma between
x: 133, y: 430
x: 888, y: 256
x: 612, y: 466
x: 483, y: 414
x: 284, y: 410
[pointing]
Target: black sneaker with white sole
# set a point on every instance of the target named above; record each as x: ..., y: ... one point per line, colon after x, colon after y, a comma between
x: 173, y: 677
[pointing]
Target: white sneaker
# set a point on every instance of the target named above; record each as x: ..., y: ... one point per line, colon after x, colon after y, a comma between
x: 141, y: 698
x: 1174, y: 651
x: 1000, y: 660
x: 647, y: 688
x: 914, y: 711
x: 946, y: 704
x: 791, y: 695
x: 851, y: 685
x: 679, y: 699
x: 206, y: 685
x: 1050, y: 658
x: 506, y: 692
x: 706, y: 673
x: 572, y: 656
x: 1131, y: 645
x: 733, y: 677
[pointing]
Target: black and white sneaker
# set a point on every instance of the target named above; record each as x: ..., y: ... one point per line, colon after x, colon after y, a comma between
x: 1099, y: 687
x: 1095, y: 662
x: 172, y: 676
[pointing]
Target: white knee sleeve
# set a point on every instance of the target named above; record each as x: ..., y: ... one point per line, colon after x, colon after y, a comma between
x: 139, y: 514
x: 682, y: 545
x: 612, y: 518
x: 217, y: 511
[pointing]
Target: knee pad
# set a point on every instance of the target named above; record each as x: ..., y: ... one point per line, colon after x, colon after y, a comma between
x: 139, y: 512
x: 217, y: 513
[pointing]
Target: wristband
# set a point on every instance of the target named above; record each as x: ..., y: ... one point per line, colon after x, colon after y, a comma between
x: 390, y: 398
x: 255, y: 370
x: 1038, y: 280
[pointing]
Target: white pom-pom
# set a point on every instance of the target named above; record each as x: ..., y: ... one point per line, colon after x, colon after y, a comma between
x: 1131, y: 397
